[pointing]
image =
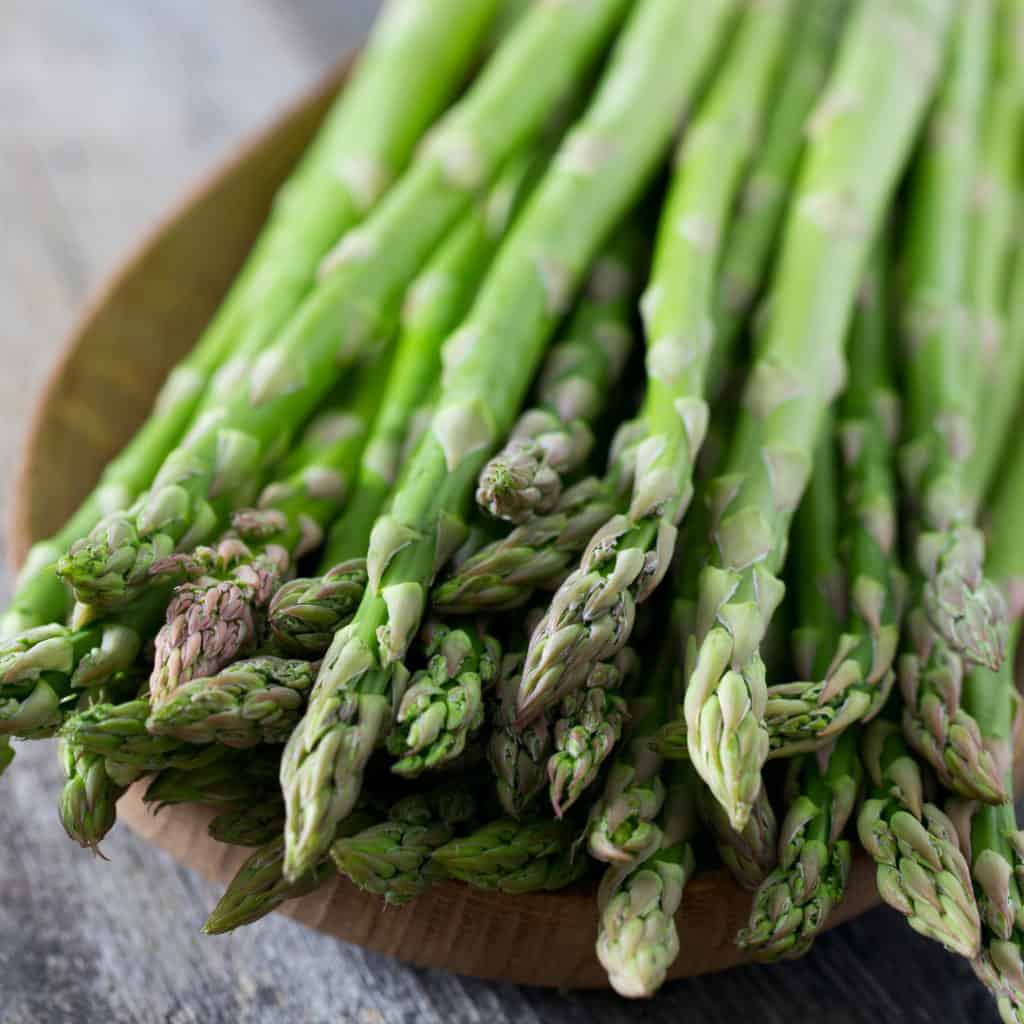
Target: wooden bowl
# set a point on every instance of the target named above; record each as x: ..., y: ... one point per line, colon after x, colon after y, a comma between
x: 133, y: 331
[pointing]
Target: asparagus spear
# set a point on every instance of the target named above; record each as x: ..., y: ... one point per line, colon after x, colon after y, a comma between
x: 862, y: 585
x: 554, y: 438
x: 591, y: 614
x: 354, y: 303
x: 793, y: 904
x: 444, y: 704
x: 1000, y: 404
x: 963, y: 607
x: 250, y: 702
x: 260, y: 887
x: 604, y: 164
x: 249, y: 824
x: 514, y: 857
x: 411, y: 66
x: 434, y: 306
x: 393, y: 859
x: 6, y: 754
x: 637, y: 940
x: 217, y: 617
x: 518, y: 757
x: 996, y: 202
x: 921, y: 868
x: 621, y: 827
x: 88, y: 800
x: 219, y: 776
x: 751, y: 854
x: 861, y: 136
x: 305, y: 613
x: 753, y: 231
x: 589, y: 725
x: 42, y: 668
x: 504, y: 573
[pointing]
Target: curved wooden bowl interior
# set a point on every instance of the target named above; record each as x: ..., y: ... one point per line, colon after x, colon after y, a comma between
x: 97, y: 394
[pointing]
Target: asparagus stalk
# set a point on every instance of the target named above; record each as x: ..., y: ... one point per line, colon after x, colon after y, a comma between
x: 963, y: 607
x: 249, y: 824
x: 444, y: 704
x: 514, y: 857
x: 219, y: 776
x: 410, y: 68
x: 518, y: 757
x: 42, y: 668
x: 861, y: 136
x: 434, y: 306
x: 305, y: 614
x: 754, y: 230
x: 6, y: 754
x: 751, y: 854
x: 88, y: 800
x: 354, y: 303
x: 251, y: 702
x: 602, y: 167
x: 218, y: 617
x: 260, y: 887
x: 637, y: 940
x: 589, y: 725
x: 922, y: 871
x: 996, y: 203
x: 393, y: 859
x: 853, y: 668
x: 999, y: 405
x: 505, y: 573
x: 793, y: 904
x: 591, y: 614
x: 554, y: 438
x: 622, y: 825
x: 993, y: 842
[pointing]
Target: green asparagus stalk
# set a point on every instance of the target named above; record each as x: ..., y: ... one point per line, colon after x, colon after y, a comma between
x: 88, y: 801
x: 6, y: 754
x: 249, y: 824
x: 217, y: 617
x: 963, y: 607
x: 753, y: 232
x: 591, y: 614
x: 862, y: 133
x: 992, y: 841
x: 793, y: 904
x: 589, y: 725
x: 518, y: 757
x: 637, y: 939
x: 922, y: 871
x: 249, y: 703
x: 411, y: 66
x: 622, y: 822
x: 42, y: 669
x: 996, y: 205
x: 259, y: 887
x: 605, y: 163
x: 394, y: 859
x: 514, y: 857
x: 748, y: 855
x: 505, y: 573
x: 221, y: 777
x: 554, y: 438
x: 999, y: 405
x: 305, y: 613
x: 444, y: 704
x: 354, y: 304
x: 853, y: 668
x: 434, y: 306
x: 118, y: 731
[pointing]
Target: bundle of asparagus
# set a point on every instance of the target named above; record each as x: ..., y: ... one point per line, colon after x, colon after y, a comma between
x: 361, y: 409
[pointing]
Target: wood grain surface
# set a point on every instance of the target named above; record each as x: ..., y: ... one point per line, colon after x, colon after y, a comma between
x: 109, y: 111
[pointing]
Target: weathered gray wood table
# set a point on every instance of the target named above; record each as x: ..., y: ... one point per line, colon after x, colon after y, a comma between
x: 107, y: 112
